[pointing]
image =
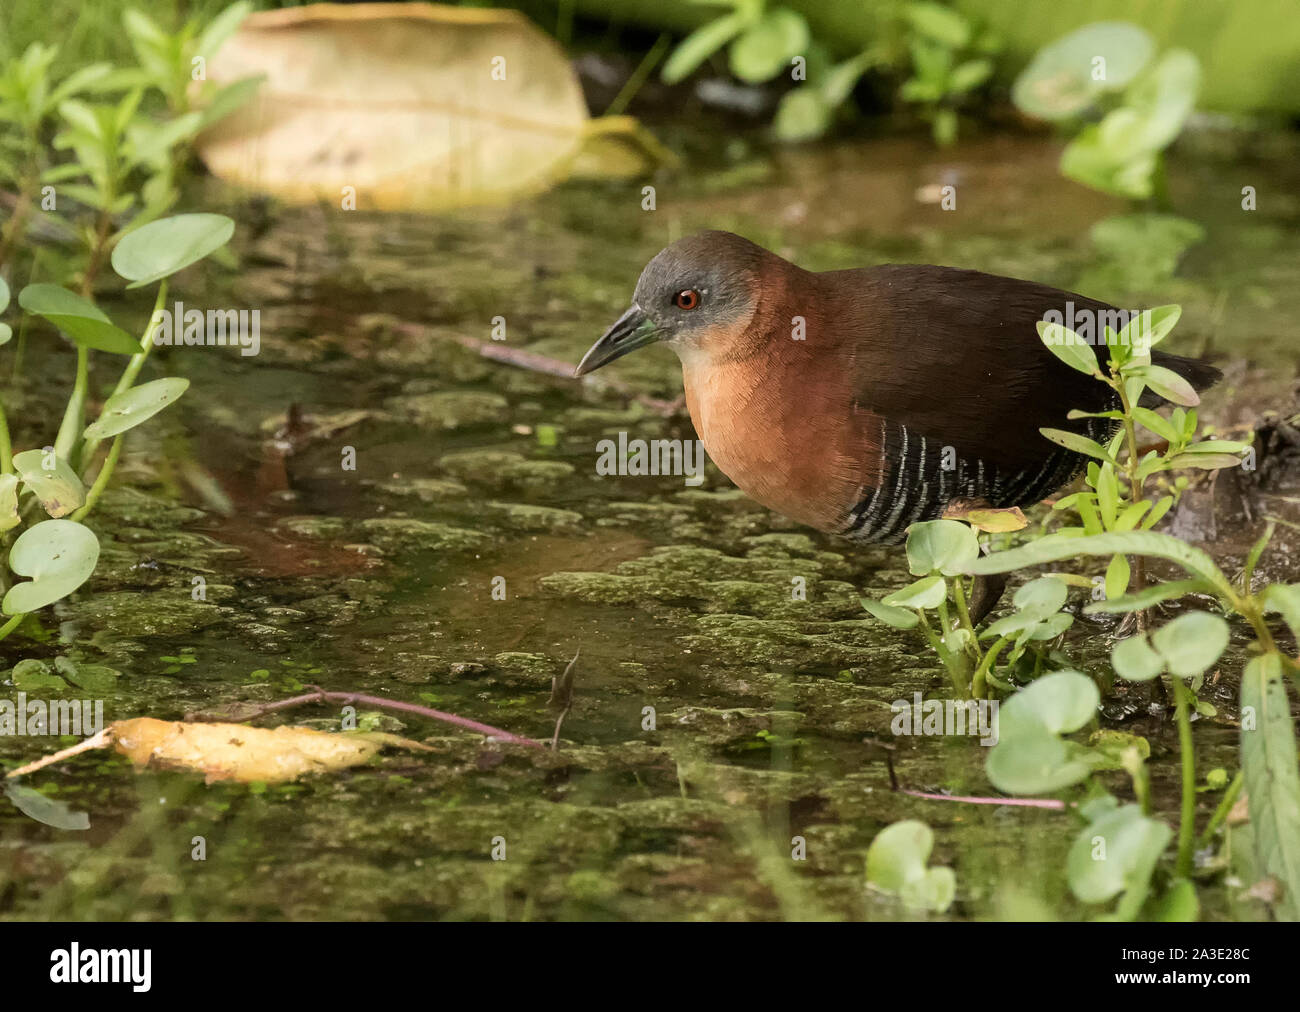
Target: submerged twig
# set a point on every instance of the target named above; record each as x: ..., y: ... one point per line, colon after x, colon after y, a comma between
x: 562, y: 696
x: 322, y: 696
x: 534, y: 362
x: 100, y: 740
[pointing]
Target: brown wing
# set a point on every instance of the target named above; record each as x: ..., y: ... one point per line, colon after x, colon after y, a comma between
x: 955, y: 355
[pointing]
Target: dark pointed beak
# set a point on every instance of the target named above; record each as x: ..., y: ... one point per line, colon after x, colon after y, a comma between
x: 633, y: 330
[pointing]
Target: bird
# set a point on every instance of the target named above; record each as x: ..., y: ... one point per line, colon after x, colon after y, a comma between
x: 860, y: 402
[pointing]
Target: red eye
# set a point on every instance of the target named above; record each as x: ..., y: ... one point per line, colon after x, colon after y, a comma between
x: 686, y: 299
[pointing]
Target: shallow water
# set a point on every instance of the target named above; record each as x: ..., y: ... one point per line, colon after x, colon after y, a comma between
x: 769, y: 714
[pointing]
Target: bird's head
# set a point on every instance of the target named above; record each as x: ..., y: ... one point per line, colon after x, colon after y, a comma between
x: 697, y: 296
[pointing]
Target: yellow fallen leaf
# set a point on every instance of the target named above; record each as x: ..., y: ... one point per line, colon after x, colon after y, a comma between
x: 412, y: 106
x: 986, y: 518
x: 238, y: 752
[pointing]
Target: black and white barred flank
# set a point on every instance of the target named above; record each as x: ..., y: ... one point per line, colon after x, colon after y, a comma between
x: 915, y: 486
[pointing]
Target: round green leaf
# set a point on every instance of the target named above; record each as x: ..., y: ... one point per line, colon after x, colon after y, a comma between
x: 1284, y: 598
x: 1029, y: 759
x: 1134, y: 660
x: 96, y: 679
x: 700, y: 45
x: 898, y: 853
x: 1062, y: 702
x: 899, y: 618
x: 1052, y: 626
x: 1115, y: 853
x: 896, y: 864
x: 80, y: 319
x: 935, y: 890
x: 927, y: 593
x: 131, y: 407
x: 1191, y: 643
x: 803, y: 115
x: 938, y: 23
x: 58, y: 555
x: 1161, y: 102
x: 941, y: 546
x: 59, y: 489
x: 1061, y: 80
x: 34, y: 675
x: 4, y: 295
x: 1041, y: 598
x: 766, y: 48
x: 161, y: 248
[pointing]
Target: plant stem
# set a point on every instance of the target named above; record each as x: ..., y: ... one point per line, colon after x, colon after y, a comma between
x: 1221, y: 813
x: 978, y: 683
x: 11, y: 625
x: 6, y: 447
x: 1135, y: 483
x: 101, y: 480
x: 1187, y: 819
x: 102, y: 230
x: 963, y: 613
x: 16, y: 226
x: 951, y: 661
x: 74, y: 417
x: 634, y: 83
x: 133, y: 367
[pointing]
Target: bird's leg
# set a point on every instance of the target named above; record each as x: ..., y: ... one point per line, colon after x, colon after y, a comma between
x: 985, y: 593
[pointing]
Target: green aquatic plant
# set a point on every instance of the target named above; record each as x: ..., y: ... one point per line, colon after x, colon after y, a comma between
x: 1184, y: 649
x: 896, y: 864
x: 1115, y: 498
x: 58, y: 553
x: 1187, y: 647
x: 1107, y: 67
x: 1128, y: 489
x: 29, y: 100
x: 761, y: 42
x: 951, y: 58
x: 945, y: 59
x: 93, y: 169
x: 939, y: 552
x: 175, y: 63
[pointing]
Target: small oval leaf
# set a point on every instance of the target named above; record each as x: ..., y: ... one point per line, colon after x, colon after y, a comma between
x: 131, y: 407
x: 927, y: 593
x: 1191, y: 643
x: 59, y: 489
x: 161, y: 248
x: 80, y: 319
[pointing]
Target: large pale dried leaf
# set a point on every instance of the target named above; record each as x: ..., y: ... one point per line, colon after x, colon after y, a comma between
x: 238, y: 752
x: 400, y: 102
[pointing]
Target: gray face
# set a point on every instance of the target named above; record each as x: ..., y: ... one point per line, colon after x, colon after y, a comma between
x: 720, y: 274
x: 718, y: 266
